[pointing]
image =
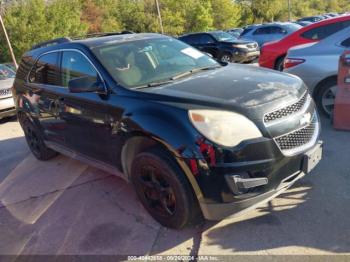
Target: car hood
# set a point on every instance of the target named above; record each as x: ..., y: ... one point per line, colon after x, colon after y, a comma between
x: 238, y: 87
x: 6, y: 83
x: 237, y: 41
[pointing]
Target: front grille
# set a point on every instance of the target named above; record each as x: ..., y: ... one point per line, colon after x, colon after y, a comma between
x: 286, y: 111
x: 5, y: 92
x: 300, y: 139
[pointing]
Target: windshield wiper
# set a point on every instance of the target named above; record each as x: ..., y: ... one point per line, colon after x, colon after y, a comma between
x: 153, y: 84
x: 193, y: 71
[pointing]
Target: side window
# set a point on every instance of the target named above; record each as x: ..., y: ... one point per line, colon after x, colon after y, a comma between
x: 75, y: 65
x: 322, y: 32
x: 277, y: 30
x: 191, y: 39
x: 346, y: 43
x: 246, y: 31
x: 46, y: 70
x: 263, y: 31
x: 206, y: 39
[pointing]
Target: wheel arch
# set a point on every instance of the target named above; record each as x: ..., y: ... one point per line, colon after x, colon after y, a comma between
x: 138, y: 142
x: 322, y: 82
x: 278, y: 59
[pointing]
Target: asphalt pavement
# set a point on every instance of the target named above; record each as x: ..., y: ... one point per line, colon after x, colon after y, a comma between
x: 66, y: 207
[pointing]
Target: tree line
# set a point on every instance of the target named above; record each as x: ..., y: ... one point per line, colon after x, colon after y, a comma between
x: 32, y: 21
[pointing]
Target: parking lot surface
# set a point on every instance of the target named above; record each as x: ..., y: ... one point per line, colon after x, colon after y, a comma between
x: 66, y: 207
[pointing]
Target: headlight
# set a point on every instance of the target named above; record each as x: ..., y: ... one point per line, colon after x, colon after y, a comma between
x: 240, y: 46
x: 223, y: 127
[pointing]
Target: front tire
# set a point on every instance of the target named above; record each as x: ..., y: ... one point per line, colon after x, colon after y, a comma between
x: 35, y: 142
x: 325, y: 97
x: 164, y: 190
x: 226, y: 58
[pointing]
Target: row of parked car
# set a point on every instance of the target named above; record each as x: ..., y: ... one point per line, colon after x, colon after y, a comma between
x: 7, y: 106
x: 196, y: 137
x: 310, y: 52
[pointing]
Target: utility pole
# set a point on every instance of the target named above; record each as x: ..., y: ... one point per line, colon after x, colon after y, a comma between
x: 289, y: 16
x: 159, y: 17
x: 7, y: 39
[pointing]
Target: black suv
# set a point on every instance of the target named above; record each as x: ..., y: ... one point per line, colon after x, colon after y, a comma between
x: 194, y: 137
x: 223, y: 46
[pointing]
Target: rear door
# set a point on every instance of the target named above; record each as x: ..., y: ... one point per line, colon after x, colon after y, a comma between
x: 262, y: 35
x: 43, y: 92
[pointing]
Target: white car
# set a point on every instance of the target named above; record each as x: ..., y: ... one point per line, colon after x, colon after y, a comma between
x: 7, y: 105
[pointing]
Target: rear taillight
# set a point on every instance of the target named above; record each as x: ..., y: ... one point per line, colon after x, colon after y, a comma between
x: 290, y: 62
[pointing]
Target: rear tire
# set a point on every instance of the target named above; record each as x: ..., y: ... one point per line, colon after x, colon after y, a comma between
x: 35, y: 141
x: 325, y: 97
x: 279, y: 63
x: 164, y: 190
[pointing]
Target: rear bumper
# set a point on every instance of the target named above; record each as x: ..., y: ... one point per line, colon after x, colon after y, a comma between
x: 7, y: 107
x: 267, y: 60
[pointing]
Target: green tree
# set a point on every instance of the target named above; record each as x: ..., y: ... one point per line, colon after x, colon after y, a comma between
x: 198, y: 16
x: 136, y: 16
x: 31, y: 21
x: 173, y: 22
x: 226, y: 14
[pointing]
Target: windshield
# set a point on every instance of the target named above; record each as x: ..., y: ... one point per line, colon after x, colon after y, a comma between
x: 143, y: 62
x: 222, y: 36
x: 6, y: 72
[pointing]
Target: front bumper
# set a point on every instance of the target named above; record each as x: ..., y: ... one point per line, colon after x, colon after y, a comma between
x: 240, y: 56
x: 7, y: 107
x: 279, y: 181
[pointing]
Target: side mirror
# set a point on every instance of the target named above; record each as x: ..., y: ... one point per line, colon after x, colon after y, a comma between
x: 85, y: 84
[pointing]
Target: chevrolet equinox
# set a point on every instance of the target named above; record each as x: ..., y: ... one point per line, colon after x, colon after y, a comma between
x: 195, y: 137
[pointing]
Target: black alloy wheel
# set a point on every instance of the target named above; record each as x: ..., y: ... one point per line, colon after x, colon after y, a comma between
x: 164, y: 190
x: 35, y: 142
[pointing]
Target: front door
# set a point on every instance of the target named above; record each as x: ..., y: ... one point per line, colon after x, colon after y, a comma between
x: 208, y: 44
x: 90, y: 124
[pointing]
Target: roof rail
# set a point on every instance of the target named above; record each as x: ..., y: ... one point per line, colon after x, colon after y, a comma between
x: 52, y: 42
x: 69, y: 39
x: 102, y: 34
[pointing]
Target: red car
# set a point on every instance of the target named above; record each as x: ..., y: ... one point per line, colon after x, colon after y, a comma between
x: 272, y: 54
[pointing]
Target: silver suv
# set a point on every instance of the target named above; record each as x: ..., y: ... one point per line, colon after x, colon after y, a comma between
x: 7, y: 106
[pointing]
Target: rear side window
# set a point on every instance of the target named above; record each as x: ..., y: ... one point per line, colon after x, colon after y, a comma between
x: 75, y: 65
x: 263, y: 31
x: 277, y: 30
x: 346, y: 42
x: 322, y: 32
x: 46, y: 70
